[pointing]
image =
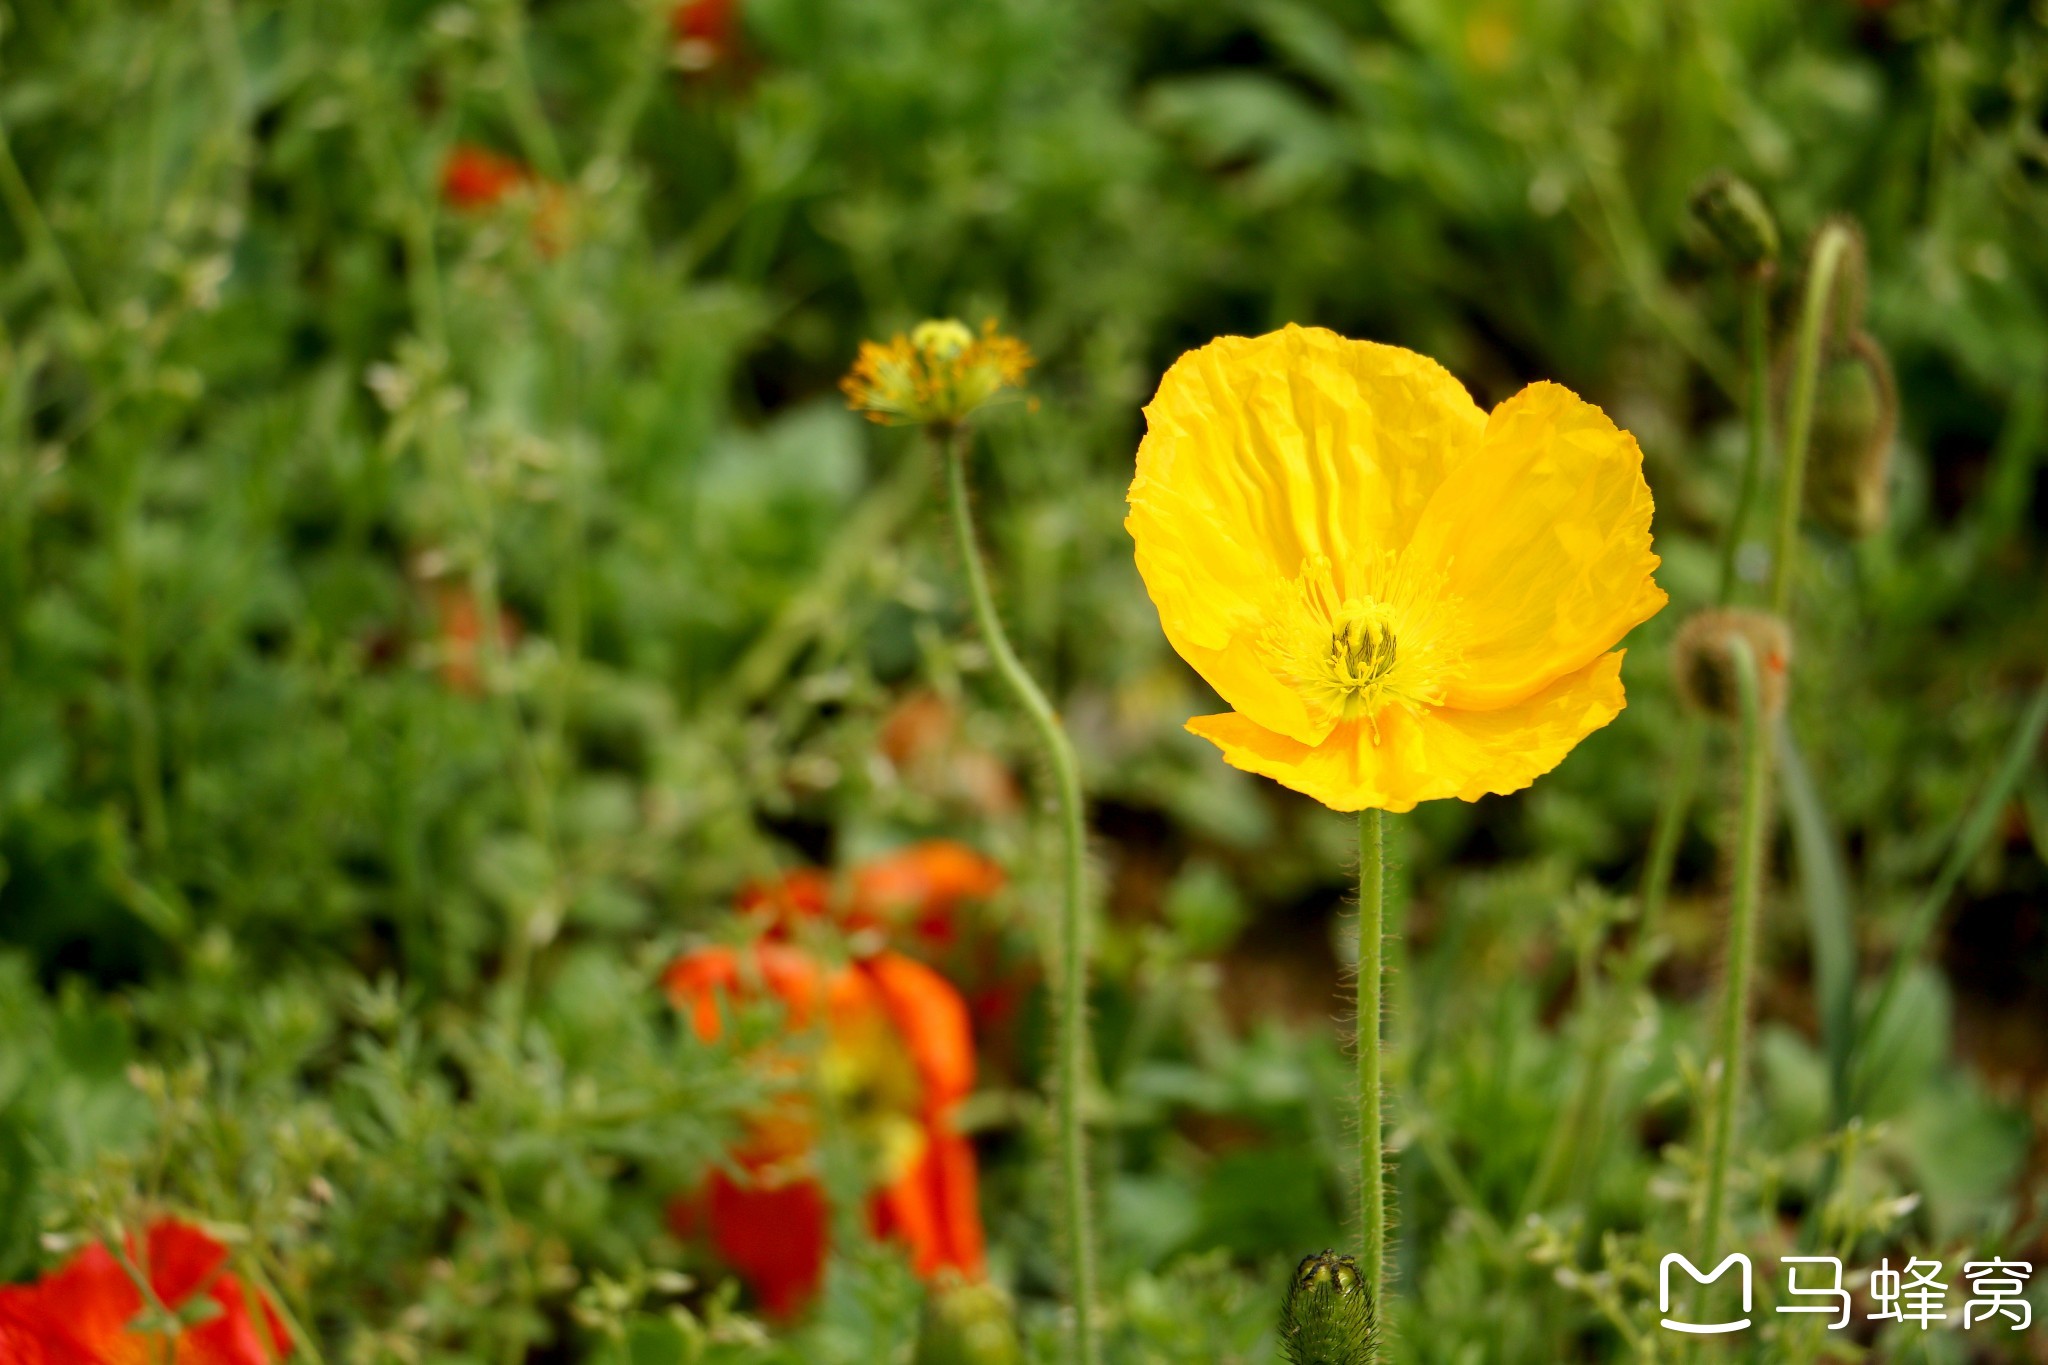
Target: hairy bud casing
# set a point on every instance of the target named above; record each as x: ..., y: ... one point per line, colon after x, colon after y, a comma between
x: 1705, y: 665
x: 1329, y: 1317
x: 1855, y: 417
x: 967, y: 1322
x: 1735, y: 216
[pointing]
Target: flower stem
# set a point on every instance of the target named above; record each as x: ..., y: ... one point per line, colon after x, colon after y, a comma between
x: 1575, y: 1122
x: 1372, y: 1198
x: 1755, y: 753
x: 1670, y: 827
x: 1071, y: 985
x: 1755, y: 346
x: 1830, y: 248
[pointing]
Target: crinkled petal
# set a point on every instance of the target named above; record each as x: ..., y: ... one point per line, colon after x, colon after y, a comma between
x: 1261, y: 452
x: 1429, y: 754
x: 1544, y: 539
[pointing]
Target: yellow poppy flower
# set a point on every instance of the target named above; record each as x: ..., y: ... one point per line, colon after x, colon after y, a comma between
x: 1403, y: 597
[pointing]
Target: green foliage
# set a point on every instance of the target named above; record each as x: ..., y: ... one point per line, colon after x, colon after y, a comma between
x: 340, y: 925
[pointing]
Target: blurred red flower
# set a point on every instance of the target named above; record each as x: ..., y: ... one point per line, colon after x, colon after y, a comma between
x: 477, y: 178
x: 897, y: 1058
x: 704, y: 31
x: 84, y: 1313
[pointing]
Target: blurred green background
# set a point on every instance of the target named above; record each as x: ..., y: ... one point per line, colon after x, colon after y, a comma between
x: 321, y: 920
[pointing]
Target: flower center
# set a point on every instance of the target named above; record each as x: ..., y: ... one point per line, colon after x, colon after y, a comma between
x: 1362, y: 650
x: 1350, y: 649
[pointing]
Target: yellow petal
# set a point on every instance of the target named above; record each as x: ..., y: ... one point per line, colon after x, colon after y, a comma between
x: 1260, y: 452
x: 1432, y: 753
x: 1543, y: 536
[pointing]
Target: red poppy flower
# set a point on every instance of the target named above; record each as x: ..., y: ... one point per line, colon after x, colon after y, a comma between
x: 478, y: 178
x: 703, y: 32
x: 84, y: 1312
x: 897, y: 1058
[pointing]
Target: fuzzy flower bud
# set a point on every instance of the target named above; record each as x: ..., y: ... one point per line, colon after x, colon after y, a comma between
x: 1705, y: 663
x: 936, y: 376
x: 1328, y: 1317
x: 1848, y: 461
x: 1735, y: 216
x: 967, y: 1323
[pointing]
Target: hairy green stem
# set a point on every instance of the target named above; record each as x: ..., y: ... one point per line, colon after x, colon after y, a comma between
x: 1830, y: 248
x: 1071, y: 984
x: 1575, y: 1122
x: 1372, y: 1195
x: 1755, y: 755
x: 1755, y: 347
x: 1665, y: 837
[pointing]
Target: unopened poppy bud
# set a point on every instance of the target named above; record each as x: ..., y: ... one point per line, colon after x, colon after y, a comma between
x: 967, y: 1322
x: 1328, y: 1318
x: 1705, y: 664
x: 1848, y: 461
x: 1736, y: 217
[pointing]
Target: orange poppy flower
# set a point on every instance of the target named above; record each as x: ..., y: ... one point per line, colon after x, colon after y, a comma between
x: 84, y: 1313
x: 922, y: 886
x: 917, y: 888
x: 897, y: 1059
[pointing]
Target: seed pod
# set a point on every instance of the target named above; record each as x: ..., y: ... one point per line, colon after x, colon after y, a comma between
x: 1848, y: 460
x: 1705, y: 666
x: 967, y: 1323
x: 1328, y: 1317
x: 1736, y: 217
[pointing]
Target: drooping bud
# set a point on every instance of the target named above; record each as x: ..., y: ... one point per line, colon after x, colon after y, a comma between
x: 1735, y: 216
x: 1848, y: 461
x: 1705, y: 665
x: 1329, y: 1317
x: 967, y: 1322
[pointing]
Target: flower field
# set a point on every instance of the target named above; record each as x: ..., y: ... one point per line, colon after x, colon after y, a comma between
x: 1115, y: 682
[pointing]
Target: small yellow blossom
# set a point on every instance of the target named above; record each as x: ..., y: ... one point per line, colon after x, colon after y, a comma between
x: 1403, y: 597
x: 939, y: 374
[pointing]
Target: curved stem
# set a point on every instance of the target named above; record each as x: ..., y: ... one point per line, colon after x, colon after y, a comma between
x: 1372, y: 1198
x: 1755, y: 751
x: 1071, y: 986
x: 1829, y: 250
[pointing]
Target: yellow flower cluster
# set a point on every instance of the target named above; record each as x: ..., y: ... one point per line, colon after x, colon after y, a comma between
x: 937, y: 375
